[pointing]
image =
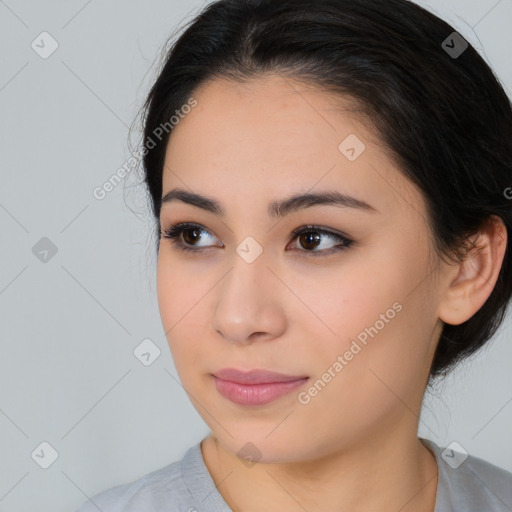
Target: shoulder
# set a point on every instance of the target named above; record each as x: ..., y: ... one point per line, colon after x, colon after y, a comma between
x: 162, y: 489
x: 468, y: 483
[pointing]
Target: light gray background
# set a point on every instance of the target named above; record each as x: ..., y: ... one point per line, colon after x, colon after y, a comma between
x: 69, y: 326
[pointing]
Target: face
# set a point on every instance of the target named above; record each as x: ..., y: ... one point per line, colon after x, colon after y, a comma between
x: 340, y: 297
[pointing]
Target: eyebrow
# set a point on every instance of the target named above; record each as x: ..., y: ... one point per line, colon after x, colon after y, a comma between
x: 277, y: 208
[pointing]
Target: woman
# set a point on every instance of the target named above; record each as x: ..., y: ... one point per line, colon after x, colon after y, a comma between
x: 329, y: 181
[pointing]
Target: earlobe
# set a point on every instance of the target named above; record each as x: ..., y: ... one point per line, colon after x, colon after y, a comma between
x: 470, y: 282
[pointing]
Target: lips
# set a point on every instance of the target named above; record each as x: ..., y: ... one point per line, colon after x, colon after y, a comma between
x: 255, y: 376
x: 255, y: 387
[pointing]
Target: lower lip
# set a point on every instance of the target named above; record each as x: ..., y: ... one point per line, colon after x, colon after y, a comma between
x: 255, y: 394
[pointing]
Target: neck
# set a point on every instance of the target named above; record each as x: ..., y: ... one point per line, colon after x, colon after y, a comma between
x: 385, y: 473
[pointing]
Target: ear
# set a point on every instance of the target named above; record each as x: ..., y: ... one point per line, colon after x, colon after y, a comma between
x: 470, y: 282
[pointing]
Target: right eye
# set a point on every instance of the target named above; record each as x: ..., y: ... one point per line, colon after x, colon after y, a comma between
x: 184, y: 236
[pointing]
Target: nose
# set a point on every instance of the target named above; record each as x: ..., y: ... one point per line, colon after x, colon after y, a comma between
x: 249, y: 305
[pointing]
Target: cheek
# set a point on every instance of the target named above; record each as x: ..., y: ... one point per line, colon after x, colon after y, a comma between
x: 346, y: 300
x: 366, y: 379
x: 181, y: 288
x: 376, y: 316
x: 180, y: 299
x: 358, y: 387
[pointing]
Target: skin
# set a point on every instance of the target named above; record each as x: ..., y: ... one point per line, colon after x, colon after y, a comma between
x: 354, y: 446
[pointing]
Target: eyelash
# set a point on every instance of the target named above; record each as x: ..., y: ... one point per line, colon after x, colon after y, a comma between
x: 174, y: 232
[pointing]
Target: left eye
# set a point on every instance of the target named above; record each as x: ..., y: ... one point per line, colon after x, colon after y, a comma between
x: 185, y: 235
x: 309, y: 236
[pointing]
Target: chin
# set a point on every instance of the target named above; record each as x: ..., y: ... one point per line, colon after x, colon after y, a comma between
x: 256, y: 446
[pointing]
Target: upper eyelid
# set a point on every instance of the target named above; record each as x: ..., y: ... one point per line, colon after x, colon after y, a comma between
x: 181, y: 226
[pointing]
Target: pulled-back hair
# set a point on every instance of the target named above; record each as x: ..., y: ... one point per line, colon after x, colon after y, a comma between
x: 443, y: 116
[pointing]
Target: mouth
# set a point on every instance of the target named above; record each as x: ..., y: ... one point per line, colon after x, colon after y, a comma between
x: 255, y: 387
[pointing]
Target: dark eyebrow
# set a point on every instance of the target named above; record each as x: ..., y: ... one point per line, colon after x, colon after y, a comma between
x: 275, y: 209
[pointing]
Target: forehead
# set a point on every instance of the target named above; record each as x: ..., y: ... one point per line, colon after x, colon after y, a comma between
x: 270, y: 115
x: 269, y: 136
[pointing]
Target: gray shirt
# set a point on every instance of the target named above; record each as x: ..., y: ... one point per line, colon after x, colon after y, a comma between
x: 472, y: 485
